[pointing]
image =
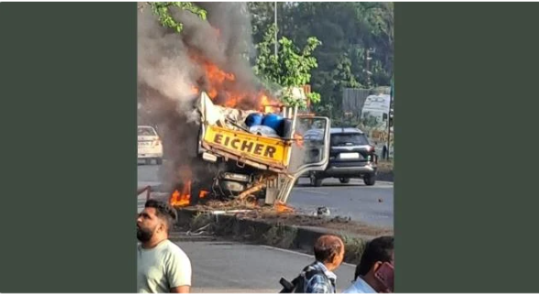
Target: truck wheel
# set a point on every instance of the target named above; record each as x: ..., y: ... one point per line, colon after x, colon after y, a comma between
x: 315, y: 181
x: 344, y: 180
x: 370, y: 179
x: 158, y: 161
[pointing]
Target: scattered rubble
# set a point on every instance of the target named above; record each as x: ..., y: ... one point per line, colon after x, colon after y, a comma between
x: 284, y: 215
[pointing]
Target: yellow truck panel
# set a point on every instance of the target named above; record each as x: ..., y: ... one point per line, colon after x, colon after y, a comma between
x: 265, y: 150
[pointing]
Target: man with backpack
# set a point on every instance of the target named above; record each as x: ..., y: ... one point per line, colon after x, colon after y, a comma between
x: 319, y: 277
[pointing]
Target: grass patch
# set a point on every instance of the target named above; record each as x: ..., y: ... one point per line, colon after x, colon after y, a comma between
x: 354, y: 248
x: 223, y: 226
x: 385, y: 170
x: 385, y: 165
x: 273, y: 233
x: 200, y: 220
x: 281, y: 236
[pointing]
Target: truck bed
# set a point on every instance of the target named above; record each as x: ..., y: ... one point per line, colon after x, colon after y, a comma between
x: 258, y: 151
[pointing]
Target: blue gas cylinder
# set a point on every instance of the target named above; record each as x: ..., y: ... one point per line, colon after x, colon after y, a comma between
x: 254, y: 119
x: 273, y: 121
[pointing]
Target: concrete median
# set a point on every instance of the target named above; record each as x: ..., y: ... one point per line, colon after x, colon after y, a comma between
x: 237, y: 226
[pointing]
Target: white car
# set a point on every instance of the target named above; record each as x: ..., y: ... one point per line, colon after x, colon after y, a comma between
x: 149, y: 145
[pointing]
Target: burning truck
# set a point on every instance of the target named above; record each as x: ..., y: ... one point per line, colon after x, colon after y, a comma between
x: 253, y: 155
x: 224, y: 135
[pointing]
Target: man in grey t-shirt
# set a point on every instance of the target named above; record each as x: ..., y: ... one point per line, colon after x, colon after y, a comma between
x: 162, y: 266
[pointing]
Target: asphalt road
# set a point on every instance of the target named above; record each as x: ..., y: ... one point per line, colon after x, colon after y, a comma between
x: 370, y: 204
x: 230, y: 267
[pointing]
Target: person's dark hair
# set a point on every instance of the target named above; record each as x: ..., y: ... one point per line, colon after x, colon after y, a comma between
x: 164, y: 211
x: 379, y: 249
x: 327, y: 247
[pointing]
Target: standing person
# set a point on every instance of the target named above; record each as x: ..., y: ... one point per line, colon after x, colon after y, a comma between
x: 377, y: 252
x: 319, y: 277
x: 162, y: 266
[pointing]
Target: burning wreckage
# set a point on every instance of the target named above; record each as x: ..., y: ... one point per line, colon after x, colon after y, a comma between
x: 221, y: 137
x: 256, y: 156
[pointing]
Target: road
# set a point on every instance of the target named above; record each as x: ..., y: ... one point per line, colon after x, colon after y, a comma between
x: 243, y: 268
x: 246, y: 268
x: 372, y: 205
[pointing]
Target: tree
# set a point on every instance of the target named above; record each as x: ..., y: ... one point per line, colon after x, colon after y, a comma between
x: 262, y: 14
x: 347, y: 30
x: 289, y: 68
x: 162, y: 10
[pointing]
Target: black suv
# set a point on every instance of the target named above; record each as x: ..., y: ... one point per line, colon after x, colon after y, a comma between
x: 351, y: 156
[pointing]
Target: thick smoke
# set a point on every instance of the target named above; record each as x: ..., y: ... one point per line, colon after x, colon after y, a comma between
x: 170, y: 64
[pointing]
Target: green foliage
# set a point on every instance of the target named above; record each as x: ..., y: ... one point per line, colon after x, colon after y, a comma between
x: 262, y: 14
x: 290, y: 68
x: 347, y: 30
x: 162, y: 10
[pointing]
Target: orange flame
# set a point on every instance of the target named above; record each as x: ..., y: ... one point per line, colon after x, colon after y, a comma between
x: 181, y: 196
x: 283, y: 208
x: 216, y: 75
x: 222, y: 87
x: 181, y: 199
x: 264, y: 100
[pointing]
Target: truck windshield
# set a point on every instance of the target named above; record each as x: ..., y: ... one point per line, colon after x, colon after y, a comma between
x: 350, y: 138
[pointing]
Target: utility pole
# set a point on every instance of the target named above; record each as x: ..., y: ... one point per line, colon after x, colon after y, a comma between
x: 275, y: 22
x: 390, y: 118
x: 368, y: 58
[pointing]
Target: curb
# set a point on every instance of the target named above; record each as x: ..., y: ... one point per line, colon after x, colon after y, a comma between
x: 273, y: 234
x: 385, y: 176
